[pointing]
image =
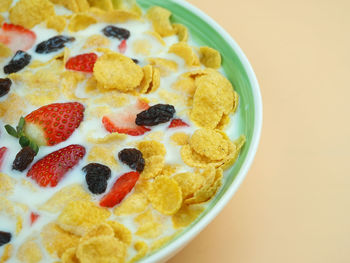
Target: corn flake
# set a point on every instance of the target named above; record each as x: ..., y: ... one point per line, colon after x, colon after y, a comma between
x: 4, y: 51
x: 209, y: 143
x: 149, y: 225
x: 15, y: 113
x: 142, y: 248
x: 78, y: 216
x: 74, y: 5
x: 165, y: 195
x: 160, y: 21
x: 193, y: 159
x: 7, y: 253
x: 80, y: 22
x: 95, y: 41
x: 156, y: 36
x: 186, y: 52
x: 210, y: 57
x: 235, y: 149
x: 101, y: 154
x: 186, y: 85
x: 186, y: 215
x: 153, y: 166
x: 121, y: 232
x: 57, y: 23
x: 5, y: 5
x: 165, y: 66
x: 181, y: 31
x: 134, y: 203
x: 225, y: 120
x: 57, y: 241
x: 29, y: 13
x: 29, y: 252
x: 69, y: 256
x: 105, y: 5
x: 151, y: 148
x: 67, y: 194
x: 6, y: 184
x: 101, y: 249
x: 189, y: 183
x: 115, y: 16
x: 102, y: 229
x: 169, y: 169
x: 180, y: 138
x: 115, y: 71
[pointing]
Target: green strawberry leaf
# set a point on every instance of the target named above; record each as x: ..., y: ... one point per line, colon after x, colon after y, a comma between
x: 34, y: 146
x: 20, y: 126
x: 24, y: 141
x: 12, y: 131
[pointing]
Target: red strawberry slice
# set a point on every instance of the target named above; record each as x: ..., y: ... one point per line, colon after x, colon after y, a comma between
x: 120, y: 189
x: 33, y: 217
x: 3, y: 151
x: 83, y: 62
x: 49, y: 170
x: 53, y: 123
x: 122, y: 46
x: 178, y: 123
x: 17, y: 37
x: 124, y: 122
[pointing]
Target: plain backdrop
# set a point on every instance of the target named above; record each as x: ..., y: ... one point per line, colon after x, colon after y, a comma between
x: 294, y: 205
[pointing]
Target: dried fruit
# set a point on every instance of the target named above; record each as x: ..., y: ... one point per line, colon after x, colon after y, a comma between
x: 159, y: 113
x: 120, y: 189
x: 5, y: 238
x: 49, y: 170
x: 23, y: 158
x: 33, y: 217
x: 5, y: 85
x: 83, y: 62
x: 96, y: 177
x: 116, y: 32
x: 133, y: 158
x: 3, y: 151
x: 177, y: 123
x: 17, y: 37
x: 53, y: 44
x: 53, y: 123
x: 18, y: 62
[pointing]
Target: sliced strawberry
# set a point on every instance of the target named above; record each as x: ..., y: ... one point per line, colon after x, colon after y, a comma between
x: 3, y: 151
x: 83, y: 62
x: 122, y: 46
x: 178, y: 123
x: 53, y: 123
x: 120, y: 189
x: 33, y: 217
x: 124, y: 121
x: 49, y: 170
x: 17, y: 37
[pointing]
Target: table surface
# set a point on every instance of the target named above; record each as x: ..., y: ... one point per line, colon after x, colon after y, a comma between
x: 294, y: 205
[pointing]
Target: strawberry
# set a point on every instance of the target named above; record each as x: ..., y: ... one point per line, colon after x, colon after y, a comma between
x: 122, y: 46
x: 33, y: 218
x: 3, y: 151
x: 17, y: 37
x: 124, y: 122
x: 120, y: 189
x: 49, y: 170
x: 177, y: 123
x: 83, y: 62
x: 53, y: 123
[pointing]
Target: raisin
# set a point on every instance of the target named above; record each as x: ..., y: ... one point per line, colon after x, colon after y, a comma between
x: 97, y: 184
x: 133, y: 158
x: 5, y: 85
x: 136, y: 61
x: 18, y: 62
x: 5, y: 238
x: 117, y: 32
x: 23, y: 158
x: 98, y: 169
x: 53, y: 44
x: 159, y: 113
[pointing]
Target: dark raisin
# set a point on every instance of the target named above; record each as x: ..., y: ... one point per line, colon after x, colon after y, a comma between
x: 133, y: 158
x: 53, y: 44
x: 97, y: 184
x: 5, y: 85
x: 18, y: 62
x: 117, y: 32
x: 156, y: 114
x: 23, y: 158
x: 98, y: 169
x: 5, y: 238
x: 136, y: 61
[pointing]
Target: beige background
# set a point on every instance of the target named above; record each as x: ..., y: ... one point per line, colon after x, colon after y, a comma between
x: 294, y: 205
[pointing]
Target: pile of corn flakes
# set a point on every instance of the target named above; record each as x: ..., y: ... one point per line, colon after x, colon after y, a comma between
x: 183, y: 165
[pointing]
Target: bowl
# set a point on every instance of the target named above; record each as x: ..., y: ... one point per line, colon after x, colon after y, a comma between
x: 205, y: 31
